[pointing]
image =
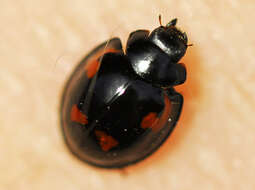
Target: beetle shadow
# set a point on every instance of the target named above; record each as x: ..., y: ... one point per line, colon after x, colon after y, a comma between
x: 192, y: 93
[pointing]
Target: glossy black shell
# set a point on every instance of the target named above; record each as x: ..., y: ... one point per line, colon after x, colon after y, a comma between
x: 113, y: 115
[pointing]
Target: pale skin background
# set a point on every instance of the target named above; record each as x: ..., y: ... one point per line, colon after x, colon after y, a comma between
x: 213, y: 145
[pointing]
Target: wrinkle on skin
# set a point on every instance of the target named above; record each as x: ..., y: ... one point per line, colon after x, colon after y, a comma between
x: 240, y: 101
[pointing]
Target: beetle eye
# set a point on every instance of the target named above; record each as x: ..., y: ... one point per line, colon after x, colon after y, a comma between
x: 172, y: 23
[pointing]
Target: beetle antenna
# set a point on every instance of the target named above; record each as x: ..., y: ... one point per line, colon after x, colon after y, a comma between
x: 159, y: 18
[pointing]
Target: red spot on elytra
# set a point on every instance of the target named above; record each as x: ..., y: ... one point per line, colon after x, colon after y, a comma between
x: 152, y: 121
x: 106, y: 142
x: 78, y: 116
x: 91, y: 68
x: 92, y: 65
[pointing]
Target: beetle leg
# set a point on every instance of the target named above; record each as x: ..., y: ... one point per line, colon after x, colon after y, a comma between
x: 137, y: 35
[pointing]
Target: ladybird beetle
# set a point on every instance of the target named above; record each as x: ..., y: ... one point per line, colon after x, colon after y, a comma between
x: 118, y: 107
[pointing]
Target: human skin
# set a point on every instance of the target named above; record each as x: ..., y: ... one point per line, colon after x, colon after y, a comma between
x: 212, y: 146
